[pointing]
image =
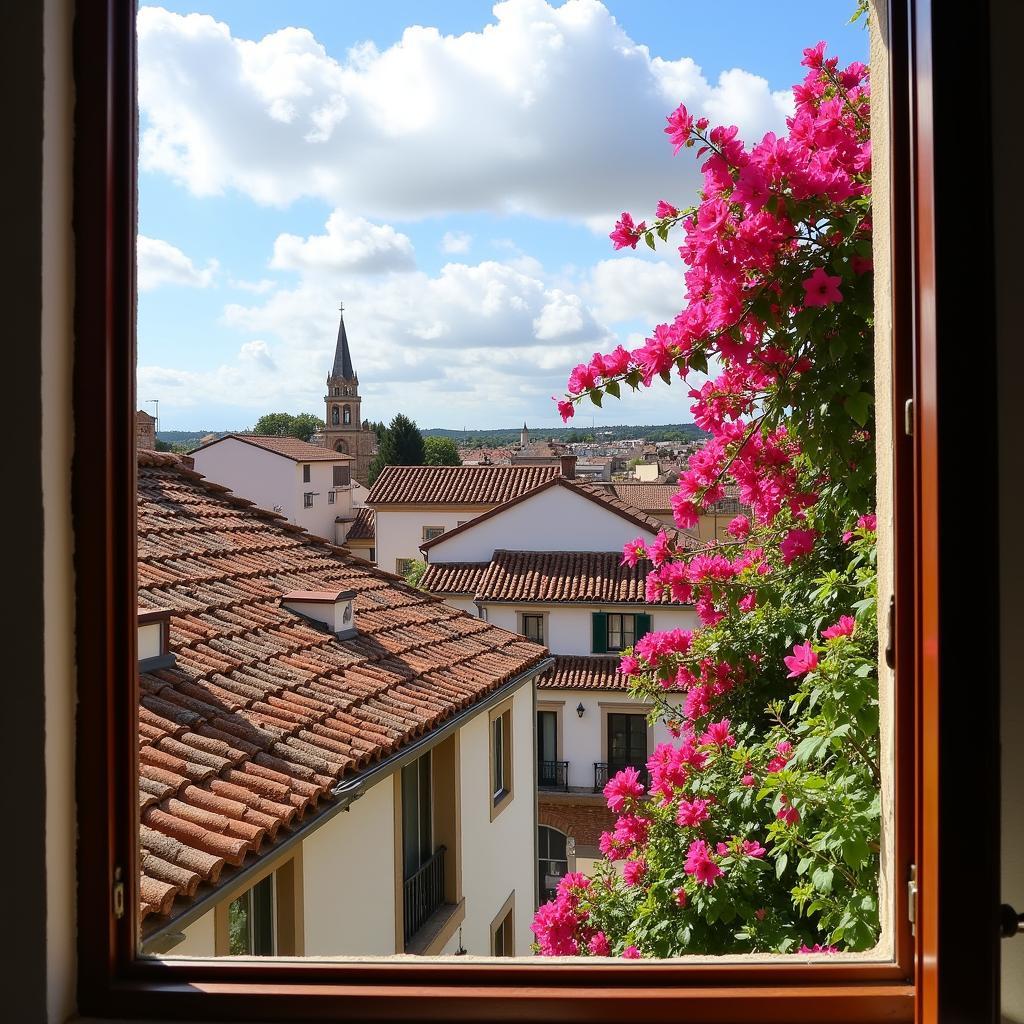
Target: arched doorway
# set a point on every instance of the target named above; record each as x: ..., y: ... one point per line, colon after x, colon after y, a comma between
x: 341, y: 446
x: 553, y: 860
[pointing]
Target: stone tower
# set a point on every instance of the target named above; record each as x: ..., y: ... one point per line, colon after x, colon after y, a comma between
x: 344, y: 431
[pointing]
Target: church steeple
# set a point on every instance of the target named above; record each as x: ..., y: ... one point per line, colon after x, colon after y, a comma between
x: 342, y: 369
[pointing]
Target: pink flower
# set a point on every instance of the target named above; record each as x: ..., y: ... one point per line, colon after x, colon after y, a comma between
x: 717, y: 734
x: 565, y: 409
x: 787, y: 813
x: 759, y: 913
x: 684, y: 512
x: 701, y: 864
x: 631, y: 953
x: 599, y: 945
x: 665, y: 210
x: 680, y: 122
x: 797, y: 543
x: 629, y: 666
x: 623, y: 787
x: 582, y: 378
x: 680, y: 897
x: 844, y: 627
x: 822, y: 289
x: 633, y: 872
x: 634, y: 551
x: 818, y: 948
x: 802, y: 660
x: 752, y: 848
x: 748, y: 602
x: 862, y: 264
x: 626, y: 232
x: 868, y: 523
x: 739, y: 527
x: 692, y: 812
x: 747, y: 780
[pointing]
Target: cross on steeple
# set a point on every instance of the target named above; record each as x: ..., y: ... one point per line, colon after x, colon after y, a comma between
x: 342, y: 357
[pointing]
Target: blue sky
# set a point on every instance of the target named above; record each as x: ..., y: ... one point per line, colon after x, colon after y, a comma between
x: 454, y: 187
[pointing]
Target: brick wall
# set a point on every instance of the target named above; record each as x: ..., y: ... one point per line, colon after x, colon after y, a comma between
x: 583, y: 821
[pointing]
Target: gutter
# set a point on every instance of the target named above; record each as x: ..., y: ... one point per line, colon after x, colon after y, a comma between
x: 345, y: 793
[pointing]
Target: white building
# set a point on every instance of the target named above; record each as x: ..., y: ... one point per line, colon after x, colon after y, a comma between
x: 413, y: 504
x: 331, y: 763
x: 309, y: 485
x: 548, y: 565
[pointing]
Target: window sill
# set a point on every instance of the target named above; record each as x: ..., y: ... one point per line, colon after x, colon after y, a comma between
x: 500, y: 803
x: 437, y: 929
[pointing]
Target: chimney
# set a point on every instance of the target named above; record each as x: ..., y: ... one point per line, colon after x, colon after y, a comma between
x: 154, y: 639
x: 568, y: 466
x: 334, y: 609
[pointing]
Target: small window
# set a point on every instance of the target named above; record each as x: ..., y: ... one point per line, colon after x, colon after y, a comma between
x: 501, y: 758
x: 402, y: 566
x: 330, y: 497
x: 621, y: 632
x: 553, y: 861
x: 373, y: 554
x: 342, y: 476
x: 503, y: 929
x: 305, y: 473
x: 307, y: 499
x: 533, y: 628
x: 613, y: 632
x: 346, y: 416
x: 430, y: 532
x: 251, y: 929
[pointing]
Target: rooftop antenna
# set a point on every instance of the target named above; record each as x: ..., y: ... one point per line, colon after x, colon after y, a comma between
x: 156, y: 402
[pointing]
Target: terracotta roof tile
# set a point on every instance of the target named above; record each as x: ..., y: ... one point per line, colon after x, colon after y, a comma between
x: 579, y: 672
x: 242, y: 740
x: 364, y: 527
x: 454, y: 577
x: 290, y: 447
x: 456, y: 485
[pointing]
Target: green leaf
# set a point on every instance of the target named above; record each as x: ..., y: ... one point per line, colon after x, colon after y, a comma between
x: 649, y: 239
x: 595, y: 397
x: 858, y: 405
x: 780, y: 864
x: 612, y: 388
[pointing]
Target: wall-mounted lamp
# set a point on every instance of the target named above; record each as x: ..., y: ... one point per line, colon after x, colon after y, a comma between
x: 580, y: 709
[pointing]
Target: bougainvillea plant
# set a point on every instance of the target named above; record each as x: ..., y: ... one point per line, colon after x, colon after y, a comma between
x: 758, y: 826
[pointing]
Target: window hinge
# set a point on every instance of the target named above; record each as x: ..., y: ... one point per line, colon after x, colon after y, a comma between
x: 912, y: 899
x: 908, y: 417
x: 118, y: 894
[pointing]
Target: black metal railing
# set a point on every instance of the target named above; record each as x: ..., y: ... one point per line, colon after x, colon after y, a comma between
x: 553, y: 775
x: 604, y: 770
x: 423, y: 893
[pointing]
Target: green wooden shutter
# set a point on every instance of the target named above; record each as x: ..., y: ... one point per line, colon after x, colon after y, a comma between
x: 643, y: 625
x: 599, y: 632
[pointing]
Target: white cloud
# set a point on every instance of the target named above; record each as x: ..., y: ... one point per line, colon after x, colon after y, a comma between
x: 456, y: 242
x: 351, y: 244
x: 631, y: 288
x: 260, y: 287
x: 161, y: 263
x: 549, y: 110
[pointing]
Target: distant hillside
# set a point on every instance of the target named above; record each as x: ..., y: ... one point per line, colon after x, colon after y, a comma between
x: 190, y: 437
x: 498, y: 437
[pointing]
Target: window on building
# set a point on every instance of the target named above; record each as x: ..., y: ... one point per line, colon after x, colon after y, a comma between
x: 547, y: 736
x: 417, y: 825
x: 503, y: 929
x: 430, y: 532
x: 402, y: 566
x: 305, y: 473
x: 307, y: 499
x: 342, y: 476
x: 335, y: 416
x: 330, y: 497
x: 251, y: 926
x: 346, y: 416
x: 533, y: 628
x: 612, y: 632
x: 373, y: 554
x: 553, y: 861
x: 501, y: 757
x: 627, y: 741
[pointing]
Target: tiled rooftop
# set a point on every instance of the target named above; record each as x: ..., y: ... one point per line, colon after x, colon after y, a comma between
x: 290, y: 447
x: 581, y: 577
x: 579, y: 672
x: 364, y: 526
x: 241, y: 741
x: 646, y: 497
x: 456, y: 485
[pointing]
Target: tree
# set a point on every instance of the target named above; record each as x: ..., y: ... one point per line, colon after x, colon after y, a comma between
x: 401, y: 445
x: 284, y: 424
x: 441, y: 451
x: 415, y: 573
x: 759, y: 830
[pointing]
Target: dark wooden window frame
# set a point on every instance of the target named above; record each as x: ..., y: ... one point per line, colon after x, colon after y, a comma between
x: 934, y: 48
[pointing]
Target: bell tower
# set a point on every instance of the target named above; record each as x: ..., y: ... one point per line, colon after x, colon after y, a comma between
x: 343, y: 416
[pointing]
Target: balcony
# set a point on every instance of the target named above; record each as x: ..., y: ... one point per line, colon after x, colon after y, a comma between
x: 604, y: 770
x: 553, y: 775
x: 423, y: 894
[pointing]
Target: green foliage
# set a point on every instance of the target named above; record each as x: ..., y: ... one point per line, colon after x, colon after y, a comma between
x: 441, y: 451
x: 415, y: 573
x: 284, y: 424
x: 401, y: 445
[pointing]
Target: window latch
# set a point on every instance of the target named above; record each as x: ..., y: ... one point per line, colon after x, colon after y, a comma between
x: 890, y: 634
x: 912, y: 899
x: 908, y: 418
x: 117, y: 894
x: 1010, y: 922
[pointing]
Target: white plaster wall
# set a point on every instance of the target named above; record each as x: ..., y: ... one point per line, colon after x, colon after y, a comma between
x: 269, y: 480
x: 582, y: 736
x: 464, y: 604
x: 553, y: 520
x: 569, y: 628
x: 348, y: 879
x: 498, y: 856
x: 200, y: 938
x: 400, y: 532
